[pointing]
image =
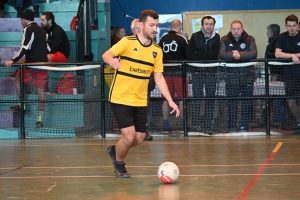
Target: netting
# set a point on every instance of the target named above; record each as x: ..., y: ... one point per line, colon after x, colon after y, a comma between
x: 220, y: 98
x: 58, y: 101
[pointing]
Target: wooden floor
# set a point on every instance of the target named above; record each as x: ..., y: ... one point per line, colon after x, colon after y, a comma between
x: 254, y: 167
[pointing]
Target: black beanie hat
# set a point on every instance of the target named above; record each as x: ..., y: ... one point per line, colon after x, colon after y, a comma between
x: 28, y: 14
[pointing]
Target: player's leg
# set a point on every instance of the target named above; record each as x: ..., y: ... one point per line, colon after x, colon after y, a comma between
x: 41, y: 107
x: 125, y: 119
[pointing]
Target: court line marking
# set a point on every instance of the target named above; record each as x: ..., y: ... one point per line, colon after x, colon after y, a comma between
x: 17, y: 168
x: 143, y: 176
x: 252, y: 182
x: 145, y: 166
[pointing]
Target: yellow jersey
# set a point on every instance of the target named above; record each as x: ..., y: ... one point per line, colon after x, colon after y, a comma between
x: 130, y: 83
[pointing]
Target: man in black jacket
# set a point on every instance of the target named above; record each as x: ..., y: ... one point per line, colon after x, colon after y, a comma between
x: 34, y: 47
x: 57, y: 39
x: 174, y: 47
x: 204, y: 45
x: 237, y: 45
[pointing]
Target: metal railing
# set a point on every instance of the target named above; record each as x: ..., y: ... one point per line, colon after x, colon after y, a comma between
x: 185, y: 68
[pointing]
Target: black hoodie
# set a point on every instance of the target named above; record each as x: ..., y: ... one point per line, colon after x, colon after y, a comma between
x: 201, y: 48
x: 58, y: 40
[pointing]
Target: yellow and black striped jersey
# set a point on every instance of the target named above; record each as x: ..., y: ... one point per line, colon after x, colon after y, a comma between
x: 130, y: 83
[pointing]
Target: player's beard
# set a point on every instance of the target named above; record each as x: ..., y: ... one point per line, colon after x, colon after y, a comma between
x: 148, y: 36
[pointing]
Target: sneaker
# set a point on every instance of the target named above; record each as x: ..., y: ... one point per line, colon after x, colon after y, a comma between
x: 39, y: 124
x: 16, y: 108
x: 244, y: 129
x: 207, y: 131
x: 181, y: 131
x: 231, y: 130
x: 148, y: 137
x: 196, y: 129
x: 166, y: 130
x: 121, y: 171
x: 111, y: 150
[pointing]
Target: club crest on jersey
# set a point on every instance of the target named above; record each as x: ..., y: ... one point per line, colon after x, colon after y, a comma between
x: 243, y: 46
x: 154, y: 54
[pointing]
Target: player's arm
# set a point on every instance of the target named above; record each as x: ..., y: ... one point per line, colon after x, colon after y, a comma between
x: 163, y: 88
x: 280, y: 54
x: 110, y: 59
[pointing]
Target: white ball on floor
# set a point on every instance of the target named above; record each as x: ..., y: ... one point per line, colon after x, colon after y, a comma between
x: 168, y: 172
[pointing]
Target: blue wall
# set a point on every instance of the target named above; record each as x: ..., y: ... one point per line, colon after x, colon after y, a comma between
x: 134, y: 7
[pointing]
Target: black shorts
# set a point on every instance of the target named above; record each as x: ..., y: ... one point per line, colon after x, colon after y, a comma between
x: 127, y: 116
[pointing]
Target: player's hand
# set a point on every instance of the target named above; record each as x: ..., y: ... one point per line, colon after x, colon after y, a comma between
x: 115, y: 63
x: 9, y: 63
x: 175, y: 108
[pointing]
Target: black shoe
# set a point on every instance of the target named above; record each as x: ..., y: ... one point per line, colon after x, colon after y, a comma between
x: 196, y: 129
x: 121, y: 171
x: 207, y: 131
x: 148, y: 137
x: 231, y: 130
x: 17, y: 109
x: 244, y: 128
x: 111, y: 150
x: 39, y: 124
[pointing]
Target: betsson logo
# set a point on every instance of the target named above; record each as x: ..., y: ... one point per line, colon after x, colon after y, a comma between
x: 138, y: 70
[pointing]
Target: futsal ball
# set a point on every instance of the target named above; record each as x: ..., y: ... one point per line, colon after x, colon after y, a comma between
x: 168, y: 172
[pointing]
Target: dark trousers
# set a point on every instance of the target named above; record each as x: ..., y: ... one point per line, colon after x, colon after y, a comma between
x: 239, y: 85
x: 209, y: 82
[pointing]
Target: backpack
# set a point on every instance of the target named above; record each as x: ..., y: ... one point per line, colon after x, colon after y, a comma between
x: 67, y: 84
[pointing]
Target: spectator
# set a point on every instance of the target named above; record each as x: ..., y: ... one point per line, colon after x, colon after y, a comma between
x: 57, y: 39
x: 34, y: 47
x: 135, y: 26
x: 288, y: 46
x: 237, y: 45
x: 35, y: 5
x: 273, y: 31
x: 117, y: 33
x: 204, y: 45
x: 174, y: 47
